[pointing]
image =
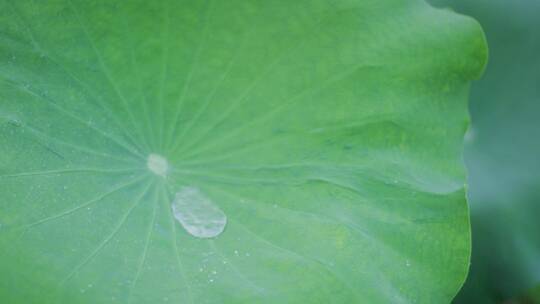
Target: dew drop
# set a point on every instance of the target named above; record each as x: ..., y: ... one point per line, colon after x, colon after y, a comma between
x: 197, y: 213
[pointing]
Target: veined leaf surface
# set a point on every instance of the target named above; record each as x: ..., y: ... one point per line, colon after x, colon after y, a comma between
x: 328, y: 133
x: 502, y: 155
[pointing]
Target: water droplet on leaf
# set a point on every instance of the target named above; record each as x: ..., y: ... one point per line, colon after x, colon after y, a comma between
x: 198, y: 214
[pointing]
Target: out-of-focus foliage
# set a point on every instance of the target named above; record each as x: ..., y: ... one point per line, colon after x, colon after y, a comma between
x: 503, y: 153
x: 531, y: 296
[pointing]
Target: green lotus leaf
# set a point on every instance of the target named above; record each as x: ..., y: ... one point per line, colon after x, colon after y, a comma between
x: 502, y: 153
x: 233, y: 151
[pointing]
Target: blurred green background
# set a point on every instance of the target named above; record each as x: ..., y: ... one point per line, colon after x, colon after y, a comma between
x: 503, y: 155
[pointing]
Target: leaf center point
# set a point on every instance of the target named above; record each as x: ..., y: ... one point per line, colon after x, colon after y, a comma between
x: 157, y: 164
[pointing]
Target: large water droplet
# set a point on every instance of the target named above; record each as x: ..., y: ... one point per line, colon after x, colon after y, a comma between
x: 197, y: 213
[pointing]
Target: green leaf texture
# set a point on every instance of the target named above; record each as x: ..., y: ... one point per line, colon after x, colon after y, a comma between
x: 328, y: 133
x: 502, y: 153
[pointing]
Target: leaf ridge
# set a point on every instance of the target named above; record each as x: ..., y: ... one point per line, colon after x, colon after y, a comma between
x: 187, y: 82
x: 108, y: 238
x: 71, y: 115
x: 180, y: 265
x: 40, y: 50
x: 146, y: 246
x: 86, y: 204
x: 105, y: 70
